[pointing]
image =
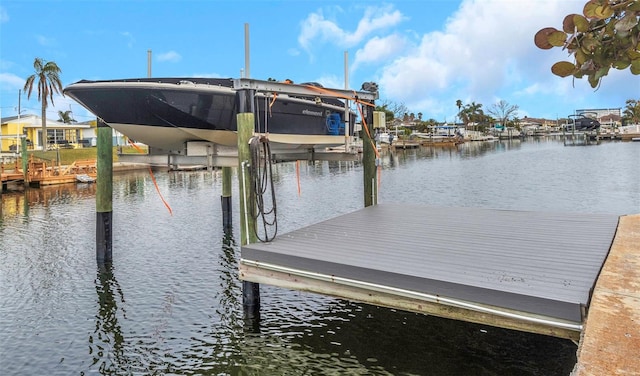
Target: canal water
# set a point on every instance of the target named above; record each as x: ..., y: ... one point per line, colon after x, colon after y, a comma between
x: 171, y: 303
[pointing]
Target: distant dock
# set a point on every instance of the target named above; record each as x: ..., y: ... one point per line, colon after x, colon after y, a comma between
x: 40, y: 174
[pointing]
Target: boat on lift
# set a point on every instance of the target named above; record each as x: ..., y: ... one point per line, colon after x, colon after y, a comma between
x: 167, y: 113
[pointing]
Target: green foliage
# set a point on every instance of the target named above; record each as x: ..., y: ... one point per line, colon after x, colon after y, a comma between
x: 388, y: 114
x: 65, y: 117
x: 473, y: 113
x: 47, y: 79
x: 631, y: 113
x: 605, y: 36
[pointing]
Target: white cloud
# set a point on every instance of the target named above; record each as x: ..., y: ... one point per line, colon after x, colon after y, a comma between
x: 171, y: 56
x: 379, y: 49
x: 4, y: 16
x: 317, y: 28
x: 9, y: 81
x: 486, y: 46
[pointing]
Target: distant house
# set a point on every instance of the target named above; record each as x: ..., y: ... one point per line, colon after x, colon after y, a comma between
x: 611, y: 121
x: 31, y: 125
x: 609, y: 118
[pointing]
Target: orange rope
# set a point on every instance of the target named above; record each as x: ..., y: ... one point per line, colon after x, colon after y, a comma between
x: 366, y: 128
x: 275, y: 96
x: 153, y: 178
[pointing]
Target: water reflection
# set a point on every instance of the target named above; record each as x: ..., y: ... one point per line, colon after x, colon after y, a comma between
x: 176, y: 306
x: 230, y: 293
x: 14, y: 204
x: 106, y: 343
x: 18, y: 202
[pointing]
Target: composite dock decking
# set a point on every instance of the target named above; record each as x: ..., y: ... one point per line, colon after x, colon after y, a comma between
x: 531, y: 271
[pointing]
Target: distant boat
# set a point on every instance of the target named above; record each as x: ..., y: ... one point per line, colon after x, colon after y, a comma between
x: 84, y: 178
x: 166, y: 113
x: 581, y: 123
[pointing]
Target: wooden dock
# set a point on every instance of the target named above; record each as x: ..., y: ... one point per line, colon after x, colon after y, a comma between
x: 39, y: 173
x: 13, y: 175
x: 404, y: 144
x: 520, y: 270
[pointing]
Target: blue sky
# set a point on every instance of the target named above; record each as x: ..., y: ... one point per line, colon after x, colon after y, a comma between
x: 425, y: 54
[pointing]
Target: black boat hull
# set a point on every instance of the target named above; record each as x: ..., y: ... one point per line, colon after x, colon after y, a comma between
x: 168, y: 113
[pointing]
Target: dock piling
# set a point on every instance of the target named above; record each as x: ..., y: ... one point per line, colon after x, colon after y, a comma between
x: 104, y: 194
x: 369, y: 160
x: 227, y: 222
x: 246, y: 120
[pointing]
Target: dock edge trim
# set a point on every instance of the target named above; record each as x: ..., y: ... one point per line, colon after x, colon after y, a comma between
x: 546, y: 321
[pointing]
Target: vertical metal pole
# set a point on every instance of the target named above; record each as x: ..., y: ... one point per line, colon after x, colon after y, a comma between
x: 227, y: 222
x: 149, y: 63
x: 104, y: 195
x: 347, y: 118
x: 246, y: 121
x: 247, y: 57
x: 369, y: 160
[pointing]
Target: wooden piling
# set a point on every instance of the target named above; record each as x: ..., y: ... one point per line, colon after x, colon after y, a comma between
x: 104, y: 194
x: 246, y: 121
x: 369, y: 160
x: 227, y: 222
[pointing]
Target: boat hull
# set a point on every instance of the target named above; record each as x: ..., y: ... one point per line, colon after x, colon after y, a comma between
x: 168, y: 113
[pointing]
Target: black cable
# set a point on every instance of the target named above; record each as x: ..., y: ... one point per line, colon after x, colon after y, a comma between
x: 261, y: 176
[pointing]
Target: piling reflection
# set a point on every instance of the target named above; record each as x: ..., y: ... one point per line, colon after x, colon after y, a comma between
x: 106, y: 343
x: 229, y: 304
x: 14, y: 204
x: 229, y: 328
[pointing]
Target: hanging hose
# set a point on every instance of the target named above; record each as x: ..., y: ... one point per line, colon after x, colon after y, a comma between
x: 262, y: 207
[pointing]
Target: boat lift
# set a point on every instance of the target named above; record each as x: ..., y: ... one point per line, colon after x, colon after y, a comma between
x: 210, y: 155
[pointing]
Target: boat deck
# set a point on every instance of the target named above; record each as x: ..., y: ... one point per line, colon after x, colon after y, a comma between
x: 530, y: 271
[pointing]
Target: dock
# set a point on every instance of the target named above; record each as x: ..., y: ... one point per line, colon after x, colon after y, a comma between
x: 40, y: 174
x: 519, y: 270
x: 611, y: 339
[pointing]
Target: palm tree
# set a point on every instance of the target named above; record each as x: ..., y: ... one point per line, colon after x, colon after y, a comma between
x: 47, y: 78
x: 632, y: 112
x: 65, y: 117
x: 459, y: 105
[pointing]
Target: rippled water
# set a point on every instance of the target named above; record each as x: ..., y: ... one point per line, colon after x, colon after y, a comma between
x: 172, y: 303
